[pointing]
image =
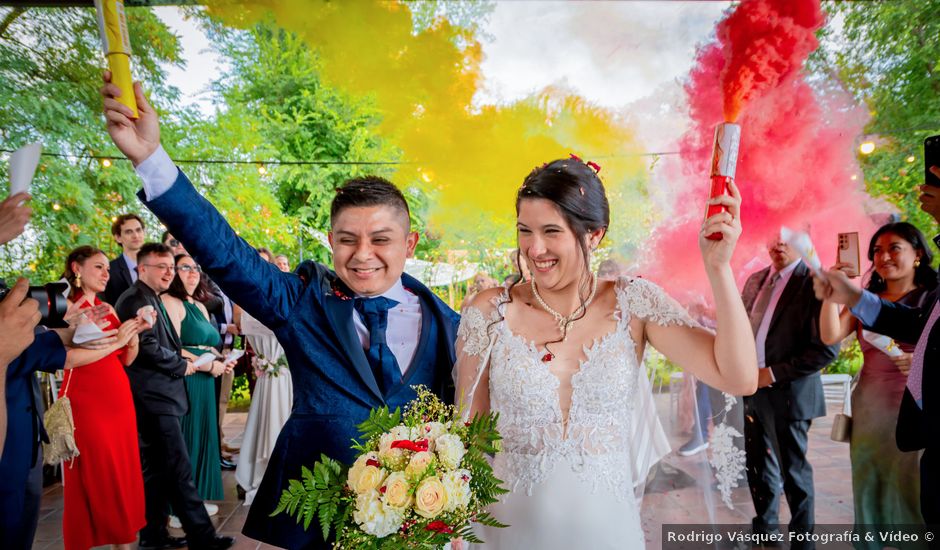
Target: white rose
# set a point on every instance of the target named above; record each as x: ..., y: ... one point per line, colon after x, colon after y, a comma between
x: 431, y: 431
x: 457, y: 487
x: 450, y: 450
x: 370, y: 478
x: 376, y: 518
x: 355, y: 471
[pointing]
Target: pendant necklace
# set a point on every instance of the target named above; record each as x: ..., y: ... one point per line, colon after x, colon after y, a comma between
x: 564, y: 322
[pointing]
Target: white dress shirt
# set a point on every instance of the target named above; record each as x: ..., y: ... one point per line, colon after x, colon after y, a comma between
x: 404, y: 320
x: 764, y: 327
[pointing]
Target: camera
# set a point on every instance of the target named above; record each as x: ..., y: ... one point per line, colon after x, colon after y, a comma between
x: 52, y: 302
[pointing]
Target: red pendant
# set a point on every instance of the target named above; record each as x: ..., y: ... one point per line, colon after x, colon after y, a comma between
x: 547, y: 357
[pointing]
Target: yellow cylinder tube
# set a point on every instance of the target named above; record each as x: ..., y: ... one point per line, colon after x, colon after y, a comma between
x: 117, y: 48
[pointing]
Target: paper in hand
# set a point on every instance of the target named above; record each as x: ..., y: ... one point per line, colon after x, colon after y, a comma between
x: 233, y: 355
x: 803, y: 245
x: 87, y: 332
x: 204, y: 359
x: 23, y: 163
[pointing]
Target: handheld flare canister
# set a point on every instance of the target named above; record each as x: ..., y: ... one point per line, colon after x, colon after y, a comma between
x: 117, y: 48
x: 724, y: 162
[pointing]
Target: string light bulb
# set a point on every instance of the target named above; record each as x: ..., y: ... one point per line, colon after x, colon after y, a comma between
x: 910, y: 159
x: 56, y: 207
x: 106, y: 163
x: 262, y: 170
x: 867, y: 148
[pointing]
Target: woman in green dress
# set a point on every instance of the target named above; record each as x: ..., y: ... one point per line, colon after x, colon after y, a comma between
x: 198, y: 336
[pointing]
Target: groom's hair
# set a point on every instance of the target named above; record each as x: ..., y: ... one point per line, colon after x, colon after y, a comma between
x: 369, y: 191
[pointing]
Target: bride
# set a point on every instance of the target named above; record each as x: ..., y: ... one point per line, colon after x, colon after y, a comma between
x: 559, y: 359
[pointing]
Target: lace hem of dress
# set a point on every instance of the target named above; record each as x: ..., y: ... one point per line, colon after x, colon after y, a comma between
x: 522, y: 472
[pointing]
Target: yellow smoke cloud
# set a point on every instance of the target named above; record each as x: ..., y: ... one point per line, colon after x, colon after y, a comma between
x: 472, y: 159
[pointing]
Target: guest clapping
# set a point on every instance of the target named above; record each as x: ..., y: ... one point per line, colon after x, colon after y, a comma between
x: 104, y: 486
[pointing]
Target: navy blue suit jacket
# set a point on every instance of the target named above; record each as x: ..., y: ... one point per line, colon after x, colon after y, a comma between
x: 312, y: 317
x: 24, y: 425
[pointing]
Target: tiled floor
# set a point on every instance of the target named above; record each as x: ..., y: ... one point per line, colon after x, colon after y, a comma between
x: 830, y: 462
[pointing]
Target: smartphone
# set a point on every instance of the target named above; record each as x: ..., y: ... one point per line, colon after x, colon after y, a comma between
x: 849, y: 253
x: 931, y: 158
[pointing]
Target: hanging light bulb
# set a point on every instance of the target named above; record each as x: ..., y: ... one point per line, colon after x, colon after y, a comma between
x: 910, y: 159
x: 867, y: 148
x: 262, y: 170
x: 106, y: 163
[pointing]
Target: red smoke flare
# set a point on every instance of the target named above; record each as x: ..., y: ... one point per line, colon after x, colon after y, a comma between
x: 797, y: 154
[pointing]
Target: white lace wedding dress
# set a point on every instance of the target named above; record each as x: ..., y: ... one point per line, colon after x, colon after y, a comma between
x: 572, y: 484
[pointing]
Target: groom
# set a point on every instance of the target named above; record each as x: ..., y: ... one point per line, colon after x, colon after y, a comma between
x: 356, y: 338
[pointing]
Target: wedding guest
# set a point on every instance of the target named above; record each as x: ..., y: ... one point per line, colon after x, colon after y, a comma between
x: 266, y: 254
x: 885, y: 480
x: 282, y: 263
x: 189, y: 318
x: 104, y: 487
x: 157, y: 383
x: 128, y: 232
x: 790, y: 394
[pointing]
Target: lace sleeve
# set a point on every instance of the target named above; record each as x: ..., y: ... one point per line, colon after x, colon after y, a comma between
x: 473, y: 347
x: 648, y: 301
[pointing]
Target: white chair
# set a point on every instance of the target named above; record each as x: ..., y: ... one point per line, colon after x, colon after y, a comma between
x: 837, y: 389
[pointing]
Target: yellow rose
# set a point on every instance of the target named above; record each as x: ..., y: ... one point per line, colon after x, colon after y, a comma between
x: 430, y: 498
x: 370, y: 478
x: 352, y: 477
x: 419, y: 463
x: 397, y: 491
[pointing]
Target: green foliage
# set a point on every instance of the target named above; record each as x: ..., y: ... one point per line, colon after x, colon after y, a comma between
x: 276, y: 106
x: 888, y: 56
x: 50, y: 73
x: 850, y: 358
x: 320, y: 492
x: 241, y: 396
x: 380, y: 421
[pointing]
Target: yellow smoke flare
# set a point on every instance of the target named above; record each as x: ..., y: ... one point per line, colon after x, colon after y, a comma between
x: 471, y: 159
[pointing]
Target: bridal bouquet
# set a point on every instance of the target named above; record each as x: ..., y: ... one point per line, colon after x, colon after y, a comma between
x: 419, y: 481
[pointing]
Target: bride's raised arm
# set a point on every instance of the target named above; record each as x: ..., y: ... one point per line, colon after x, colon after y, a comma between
x: 471, y: 371
x: 726, y: 360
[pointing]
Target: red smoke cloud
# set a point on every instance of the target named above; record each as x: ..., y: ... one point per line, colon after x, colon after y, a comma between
x: 796, y: 157
x: 765, y: 42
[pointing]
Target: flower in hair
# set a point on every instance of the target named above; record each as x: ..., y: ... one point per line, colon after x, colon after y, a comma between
x: 595, y: 166
x: 575, y: 157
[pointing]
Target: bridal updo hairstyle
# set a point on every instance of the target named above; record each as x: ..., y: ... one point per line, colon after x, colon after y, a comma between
x: 577, y: 191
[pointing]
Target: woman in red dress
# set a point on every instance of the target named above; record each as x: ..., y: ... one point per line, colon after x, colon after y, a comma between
x: 104, y: 486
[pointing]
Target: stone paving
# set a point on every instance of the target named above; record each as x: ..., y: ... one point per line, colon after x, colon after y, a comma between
x: 830, y: 460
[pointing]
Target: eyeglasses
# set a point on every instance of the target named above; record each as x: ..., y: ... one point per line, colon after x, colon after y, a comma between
x: 189, y: 269
x: 161, y: 267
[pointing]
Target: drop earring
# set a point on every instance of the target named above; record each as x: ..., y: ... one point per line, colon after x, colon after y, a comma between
x: 78, y: 280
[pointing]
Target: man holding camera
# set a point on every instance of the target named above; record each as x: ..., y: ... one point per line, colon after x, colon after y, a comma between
x: 920, y: 406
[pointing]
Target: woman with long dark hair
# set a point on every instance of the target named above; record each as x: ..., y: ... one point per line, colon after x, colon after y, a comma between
x: 885, y: 481
x: 104, y: 485
x: 559, y: 358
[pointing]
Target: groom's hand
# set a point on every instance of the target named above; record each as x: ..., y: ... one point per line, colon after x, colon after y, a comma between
x: 139, y: 138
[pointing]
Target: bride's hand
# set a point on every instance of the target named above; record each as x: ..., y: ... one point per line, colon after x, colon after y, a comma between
x: 728, y: 224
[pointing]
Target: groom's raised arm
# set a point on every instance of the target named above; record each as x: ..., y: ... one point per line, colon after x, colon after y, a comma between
x: 254, y: 284
x: 259, y: 287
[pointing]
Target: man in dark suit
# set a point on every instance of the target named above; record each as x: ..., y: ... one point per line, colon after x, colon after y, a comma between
x: 156, y: 378
x: 784, y: 313
x: 128, y: 231
x: 919, y: 414
x: 356, y: 338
